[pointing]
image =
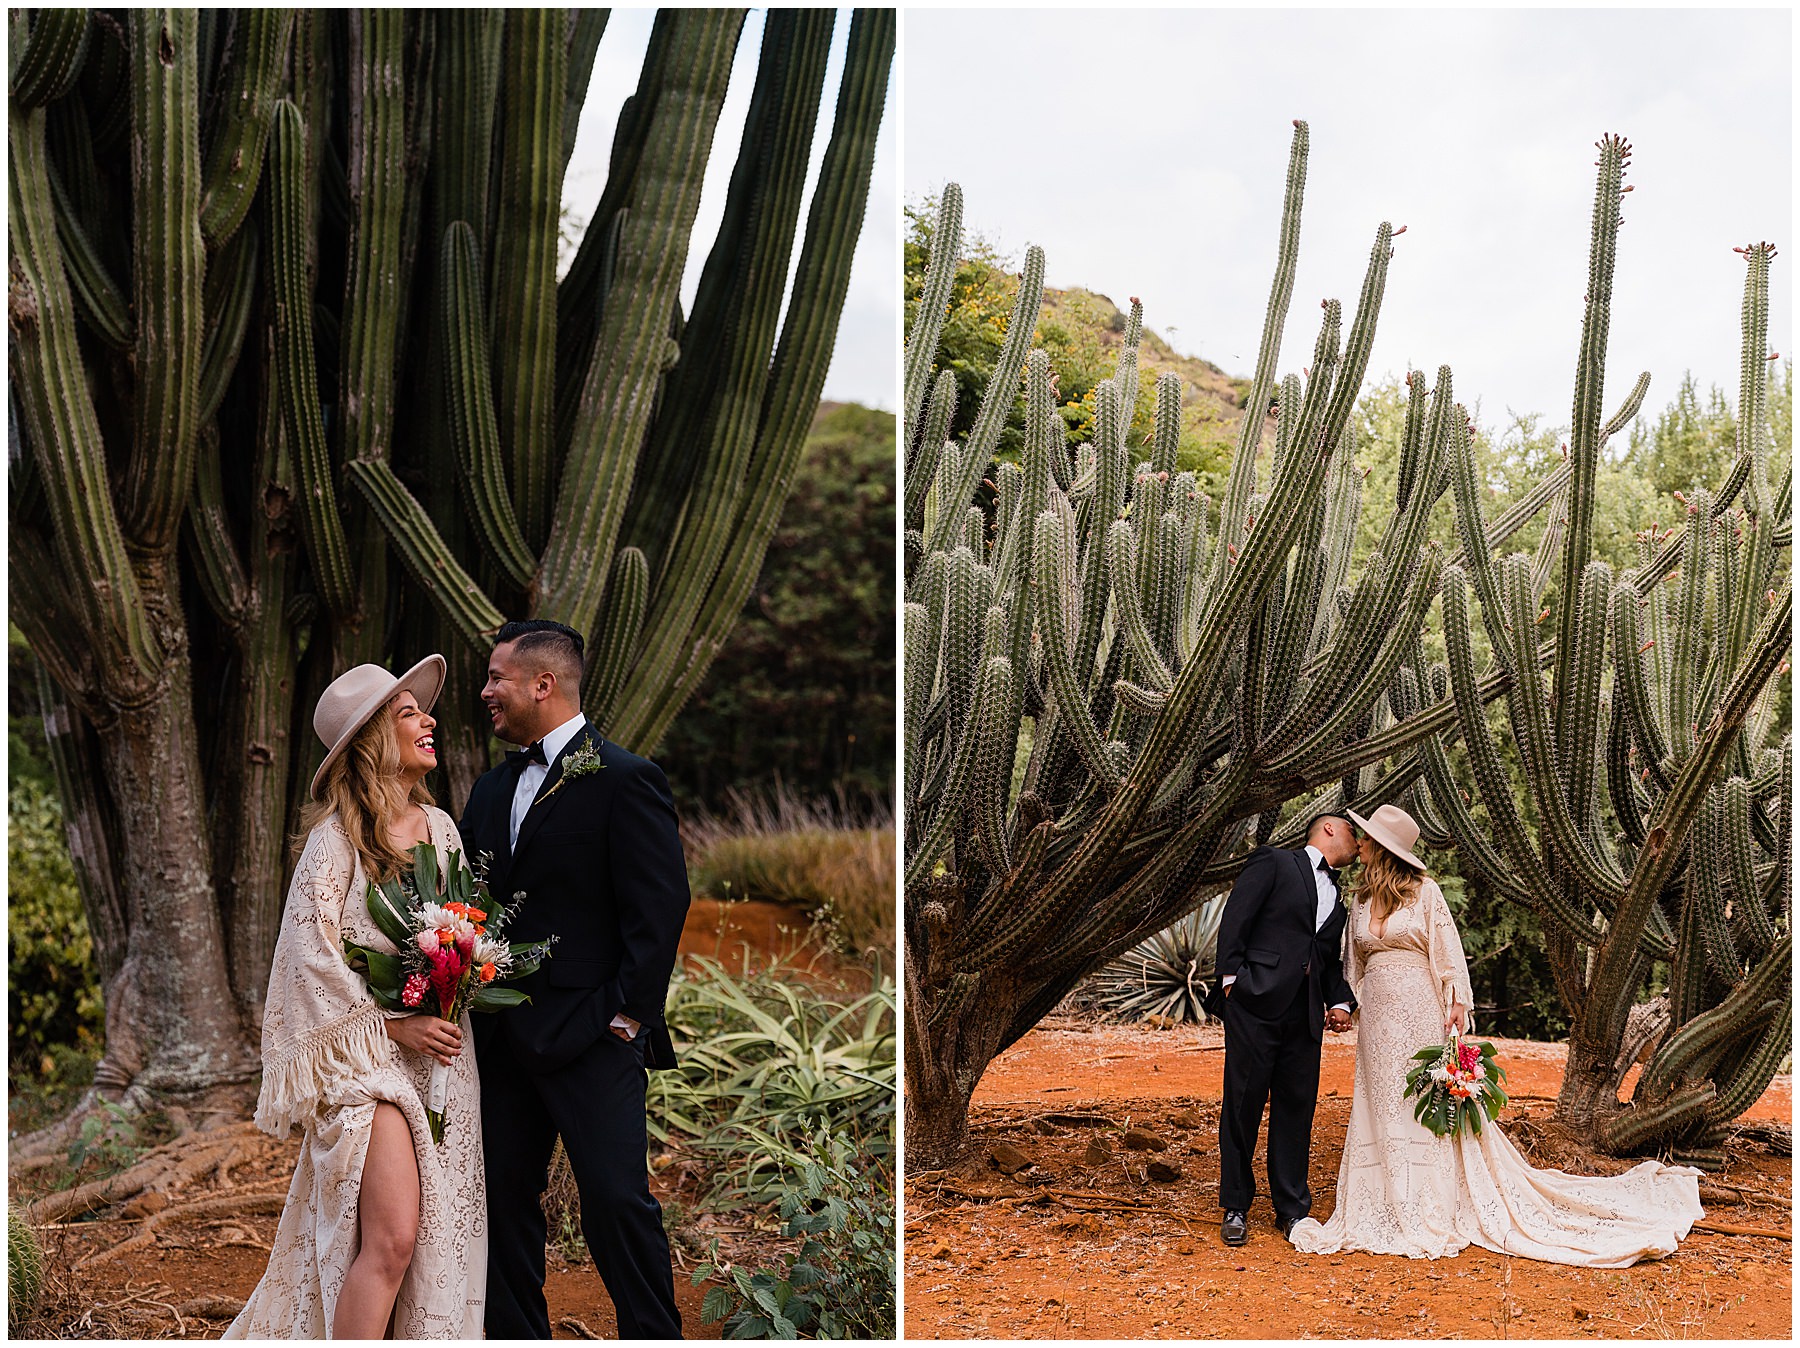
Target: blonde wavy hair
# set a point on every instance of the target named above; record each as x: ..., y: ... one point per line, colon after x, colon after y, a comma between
x: 364, y: 790
x: 1387, y: 884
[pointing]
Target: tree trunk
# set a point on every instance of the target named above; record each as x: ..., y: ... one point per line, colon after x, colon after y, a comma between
x: 173, y: 1027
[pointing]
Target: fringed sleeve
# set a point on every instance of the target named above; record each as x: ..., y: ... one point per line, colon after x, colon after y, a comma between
x: 324, y: 1036
x: 1444, y: 948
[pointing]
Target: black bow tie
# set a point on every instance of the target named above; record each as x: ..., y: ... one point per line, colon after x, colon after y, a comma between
x: 1325, y: 866
x: 532, y: 753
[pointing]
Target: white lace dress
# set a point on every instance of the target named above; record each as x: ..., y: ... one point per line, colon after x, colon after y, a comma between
x: 327, y: 1062
x: 1401, y: 1190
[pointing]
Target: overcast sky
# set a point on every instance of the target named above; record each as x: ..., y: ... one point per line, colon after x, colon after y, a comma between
x: 863, y: 364
x: 1146, y: 152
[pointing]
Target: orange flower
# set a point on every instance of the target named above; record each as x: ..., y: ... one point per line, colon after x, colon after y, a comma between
x: 446, y: 936
x: 487, y: 973
x: 474, y: 914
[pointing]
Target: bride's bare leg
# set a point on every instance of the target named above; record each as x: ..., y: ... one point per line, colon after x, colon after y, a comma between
x: 388, y: 1224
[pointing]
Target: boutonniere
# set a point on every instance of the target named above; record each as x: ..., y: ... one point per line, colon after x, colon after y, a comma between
x: 583, y: 762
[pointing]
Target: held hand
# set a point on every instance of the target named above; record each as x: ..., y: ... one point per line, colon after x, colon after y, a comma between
x: 1337, y: 1020
x: 428, y: 1035
x: 1458, y: 1019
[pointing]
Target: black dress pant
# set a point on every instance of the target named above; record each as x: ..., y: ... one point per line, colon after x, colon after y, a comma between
x: 1272, y: 1061
x: 597, y: 1104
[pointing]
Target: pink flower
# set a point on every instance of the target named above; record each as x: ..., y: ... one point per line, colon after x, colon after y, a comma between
x: 414, y: 991
x: 427, y: 940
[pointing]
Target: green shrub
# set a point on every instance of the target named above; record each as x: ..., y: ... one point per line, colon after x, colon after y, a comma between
x: 764, y: 1065
x: 781, y: 850
x: 839, y: 1282
x: 53, y: 992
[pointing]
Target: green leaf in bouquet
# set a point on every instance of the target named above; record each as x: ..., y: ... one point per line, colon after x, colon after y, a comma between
x: 425, y: 871
x: 492, y: 998
x: 390, y: 912
x: 383, y: 972
x: 462, y: 880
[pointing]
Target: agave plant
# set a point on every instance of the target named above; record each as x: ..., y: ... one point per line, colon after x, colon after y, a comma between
x: 1168, y: 975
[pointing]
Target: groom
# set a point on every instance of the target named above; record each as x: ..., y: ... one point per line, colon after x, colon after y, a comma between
x: 1280, y: 966
x: 587, y: 832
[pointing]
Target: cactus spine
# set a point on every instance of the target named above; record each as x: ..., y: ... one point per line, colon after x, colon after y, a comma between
x: 329, y: 359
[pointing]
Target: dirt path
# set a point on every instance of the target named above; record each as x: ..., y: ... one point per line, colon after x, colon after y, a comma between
x: 1084, y: 1246
x: 196, y: 1274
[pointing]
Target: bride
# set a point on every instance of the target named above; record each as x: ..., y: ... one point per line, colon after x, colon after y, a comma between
x: 1400, y: 1189
x: 383, y: 1231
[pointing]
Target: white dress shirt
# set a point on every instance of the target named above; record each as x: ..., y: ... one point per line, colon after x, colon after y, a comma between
x: 1328, y: 896
x: 533, y: 776
x: 526, y: 791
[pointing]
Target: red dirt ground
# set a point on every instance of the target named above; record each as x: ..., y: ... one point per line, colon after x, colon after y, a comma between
x: 153, y: 1293
x: 1076, y: 1248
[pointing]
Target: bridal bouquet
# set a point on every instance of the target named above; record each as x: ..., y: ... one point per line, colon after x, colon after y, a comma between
x: 1458, y: 1083
x: 453, y: 956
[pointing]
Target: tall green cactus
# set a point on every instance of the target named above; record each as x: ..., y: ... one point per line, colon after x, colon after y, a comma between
x: 1660, y: 797
x: 1171, y: 672
x: 296, y: 386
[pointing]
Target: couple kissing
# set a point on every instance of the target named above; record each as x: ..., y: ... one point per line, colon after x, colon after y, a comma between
x: 1294, y: 959
x: 386, y: 1232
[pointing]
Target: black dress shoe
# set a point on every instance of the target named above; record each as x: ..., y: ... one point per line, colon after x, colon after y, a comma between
x: 1285, y: 1225
x: 1235, y: 1229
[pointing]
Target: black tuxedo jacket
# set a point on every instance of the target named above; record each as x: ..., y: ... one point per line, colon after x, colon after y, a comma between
x: 1267, y: 939
x: 600, y: 866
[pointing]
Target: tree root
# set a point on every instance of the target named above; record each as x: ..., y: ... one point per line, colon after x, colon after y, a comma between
x: 167, y: 1167
x: 243, y: 1205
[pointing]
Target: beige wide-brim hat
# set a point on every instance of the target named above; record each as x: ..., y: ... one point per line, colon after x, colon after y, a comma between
x: 357, y: 694
x: 1394, y: 829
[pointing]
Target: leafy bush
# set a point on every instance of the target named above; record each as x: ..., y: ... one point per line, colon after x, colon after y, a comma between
x: 53, y: 992
x: 764, y: 1066
x: 1167, y: 975
x: 839, y: 1282
x: 782, y: 850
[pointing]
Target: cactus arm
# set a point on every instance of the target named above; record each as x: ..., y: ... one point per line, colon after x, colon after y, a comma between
x: 1469, y: 840
x: 1629, y: 681
x: 57, y: 411
x: 1752, y: 1077
x: 1584, y: 664
x: 469, y: 397
x: 1120, y: 543
x: 1590, y: 379
x: 430, y: 563
x: 916, y: 674
x: 1706, y: 890
x: 1372, y: 673
x: 1740, y: 866
x: 1002, y: 387
x: 995, y: 693
x: 627, y: 596
x: 922, y: 468
x: 168, y: 269
x: 221, y: 574
x: 377, y: 188
x: 229, y: 300
x: 1051, y: 596
x: 101, y: 302
x: 52, y: 58
x: 1531, y: 724
x: 802, y: 356
x: 240, y: 138
x: 522, y: 262
x: 320, y: 526
x: 1676, y: 813
x: 934, y: 305
x: 1242, y: 479
x: 625, y: 361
